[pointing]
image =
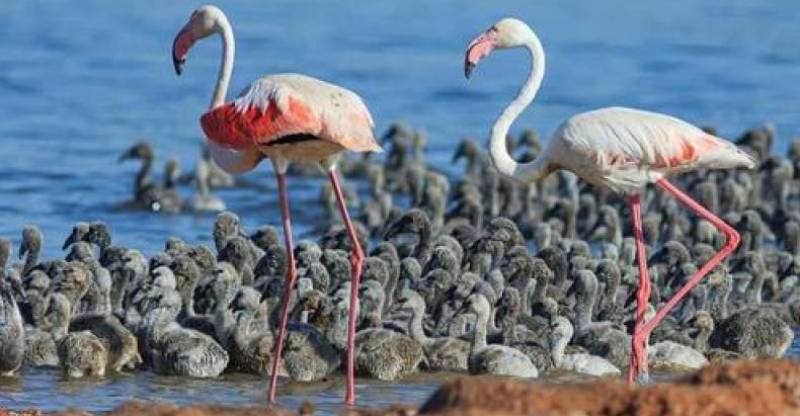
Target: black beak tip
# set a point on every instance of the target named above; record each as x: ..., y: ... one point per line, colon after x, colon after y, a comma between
x: 468, y: 68
x: 178, y: 64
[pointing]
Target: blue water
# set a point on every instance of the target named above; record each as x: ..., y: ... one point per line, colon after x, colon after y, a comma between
x: 80, y: 81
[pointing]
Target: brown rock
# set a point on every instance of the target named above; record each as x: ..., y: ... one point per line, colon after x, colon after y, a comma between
x: 740, y: 388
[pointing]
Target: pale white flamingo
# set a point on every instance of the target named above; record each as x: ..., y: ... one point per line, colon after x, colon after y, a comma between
x: 619, y: 148
x: 289, y: 118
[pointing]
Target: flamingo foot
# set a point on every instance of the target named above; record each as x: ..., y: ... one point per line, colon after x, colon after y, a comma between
x: 644, y: 379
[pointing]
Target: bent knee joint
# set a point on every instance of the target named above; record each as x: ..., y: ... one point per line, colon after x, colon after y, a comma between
x: 358, y: 254
x: 733, y: 238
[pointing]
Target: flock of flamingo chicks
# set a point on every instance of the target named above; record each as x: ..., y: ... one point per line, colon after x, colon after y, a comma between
x: 451, y: 283
x: 483, y: 273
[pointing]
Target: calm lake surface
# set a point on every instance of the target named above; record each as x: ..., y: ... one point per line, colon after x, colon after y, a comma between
x: 81, y: 81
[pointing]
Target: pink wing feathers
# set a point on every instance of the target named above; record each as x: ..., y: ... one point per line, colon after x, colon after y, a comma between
x: 285, y: 104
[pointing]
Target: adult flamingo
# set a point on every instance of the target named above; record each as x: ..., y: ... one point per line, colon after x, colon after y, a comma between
x: 619, y: 148
x: 289, y: 118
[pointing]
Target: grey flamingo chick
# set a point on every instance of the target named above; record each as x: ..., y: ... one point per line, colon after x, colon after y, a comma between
x: 600, y: 338
x: 494, y: 359
x: 252, y: 345
x: 581, y: 363
x: 672, y: 356
x: 118, y: 341
x: 441, y: 354
x: 753, y: 332
x: 146, y: 193
x: 80, y: 354
x: 179, y: 351
x: 308, y: 355
x: 382, y: 353
x: 12, y: 331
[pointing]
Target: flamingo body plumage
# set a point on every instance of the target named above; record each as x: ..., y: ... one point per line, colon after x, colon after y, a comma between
x: 625, y: 149
x: 279, y: 112
x: 621, y: 149
x: 289, y: 118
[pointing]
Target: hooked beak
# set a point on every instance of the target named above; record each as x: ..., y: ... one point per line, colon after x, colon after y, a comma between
x: 129, y: 154
x: 571, y: 290
x: 16, y: 286
x: 72, y: 239
x: 460, y: 150
x: 394, y: 228
x: 468, y: 68
x: 178, y: 64
x: 464, y: 306
x: 479, y: 48
x: 180, y: 48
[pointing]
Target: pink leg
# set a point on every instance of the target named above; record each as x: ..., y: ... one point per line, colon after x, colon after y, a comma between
x: 355, y: 260
x: 638, y: 363
x: 732, y: 237
x: 291, y: 275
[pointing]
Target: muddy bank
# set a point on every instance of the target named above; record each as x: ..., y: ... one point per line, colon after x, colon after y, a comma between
x: 738, y: 388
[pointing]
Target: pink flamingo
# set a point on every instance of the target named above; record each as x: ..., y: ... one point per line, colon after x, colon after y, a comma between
x: 619, y: 148
x: 289, y: 118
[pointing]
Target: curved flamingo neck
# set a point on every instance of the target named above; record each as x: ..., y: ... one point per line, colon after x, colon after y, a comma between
x: 226, y: 66
x: 415, y: 325
x: 142, y: 177
x: 498, y: 151
x: 481, y: 327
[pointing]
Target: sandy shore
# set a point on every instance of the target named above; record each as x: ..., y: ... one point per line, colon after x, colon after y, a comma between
x: 738, y: 388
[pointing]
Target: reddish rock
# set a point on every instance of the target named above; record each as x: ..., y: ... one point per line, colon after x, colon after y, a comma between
x: 740, y: 388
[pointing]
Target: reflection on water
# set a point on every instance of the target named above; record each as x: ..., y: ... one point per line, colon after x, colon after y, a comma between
x: 43, y: 389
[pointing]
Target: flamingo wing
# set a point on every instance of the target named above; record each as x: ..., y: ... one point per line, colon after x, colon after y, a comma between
x: 283, y: 105
x: 627, y: 139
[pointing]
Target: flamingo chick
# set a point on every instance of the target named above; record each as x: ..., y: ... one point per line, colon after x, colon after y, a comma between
x: 289, y: 118
x: 621, y: 149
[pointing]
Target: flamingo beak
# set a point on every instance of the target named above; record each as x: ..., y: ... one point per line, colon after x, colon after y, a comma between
x: 129, y: 154
x: 180, y: 48
x: 479, y: 48
x: 72, y: 239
